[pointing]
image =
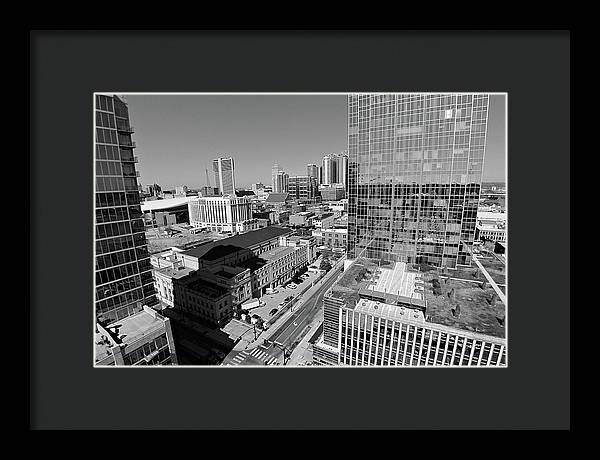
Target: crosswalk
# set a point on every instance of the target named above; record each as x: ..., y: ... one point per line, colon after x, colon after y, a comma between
x: 257, y: 354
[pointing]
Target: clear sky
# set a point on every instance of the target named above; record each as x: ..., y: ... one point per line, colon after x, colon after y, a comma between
x: 179, y: 135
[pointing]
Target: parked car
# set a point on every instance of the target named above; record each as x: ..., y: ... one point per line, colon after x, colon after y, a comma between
x: 292, y: 286
x: 288, y: 298
x: 273, y: 311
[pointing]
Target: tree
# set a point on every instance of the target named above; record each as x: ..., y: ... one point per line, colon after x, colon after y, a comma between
x: 325, y: 265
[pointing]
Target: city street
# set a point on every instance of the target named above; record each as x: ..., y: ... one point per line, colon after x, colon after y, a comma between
x: 303, y: 314
x: 290, y: 331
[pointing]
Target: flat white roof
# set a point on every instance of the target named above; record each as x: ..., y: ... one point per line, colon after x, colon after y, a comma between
x: 154, y: 205
x: 393, y: 312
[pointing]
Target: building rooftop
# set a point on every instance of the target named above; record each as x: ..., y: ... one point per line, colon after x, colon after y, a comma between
x: 390, y: 282
x: 219, y: 251
x: 155, y: 205
x: 175, y: 273
x: 207, y: 289
x: 325, y: 215
x: 276, y: 253
x: 249, y: 239
x: 277, y: 197
x: 432, y: 292
x: 126, y: 330
x: 387, y: 311
x: 229, y: 272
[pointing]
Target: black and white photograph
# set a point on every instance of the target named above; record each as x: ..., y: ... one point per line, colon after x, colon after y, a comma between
x: 315, y: 229
x: 299, y: 229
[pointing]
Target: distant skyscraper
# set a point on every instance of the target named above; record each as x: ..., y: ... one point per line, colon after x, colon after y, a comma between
x: 279, y: 179
x: 275, y: 170
x: 329, y: 175
x: 415, y: 164
x: 281, y: 183
x: 312, y: 170
x: 224, y: 175
x: 124, y: 282
x: 342, y: 169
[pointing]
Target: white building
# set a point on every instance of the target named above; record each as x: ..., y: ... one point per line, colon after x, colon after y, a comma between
x: 491, y: 226
x: 222, y: 214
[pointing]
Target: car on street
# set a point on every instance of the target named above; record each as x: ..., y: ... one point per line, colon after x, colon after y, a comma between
x: 295, y: 323
x: 288, y: 298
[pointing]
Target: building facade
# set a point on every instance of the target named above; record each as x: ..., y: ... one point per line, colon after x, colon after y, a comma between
x: 222, y: 214
x: 332, y: 237
x: 332, y: 192
x: 279, y: 179
x: 312, y: 170
x: 224, y: 171
x: 302, y: 188
x: 415, y: 165
x: 123, y: 272
x: 378, y: 334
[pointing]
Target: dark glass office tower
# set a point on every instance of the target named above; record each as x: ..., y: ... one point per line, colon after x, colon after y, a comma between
x: 415, y: 164
x: 123, y: 271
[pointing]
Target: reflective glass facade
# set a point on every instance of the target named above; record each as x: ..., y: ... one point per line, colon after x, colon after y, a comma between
x: 122, y: 263
x: 415, y: 165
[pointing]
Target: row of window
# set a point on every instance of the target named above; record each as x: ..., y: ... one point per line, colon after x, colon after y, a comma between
x: 139, y: 353
x: 110, y: 199
x: 120, y: 243
x: 112, y: 152
x: 106, y: 136
x: 116, y: 273
x: 120, y: 306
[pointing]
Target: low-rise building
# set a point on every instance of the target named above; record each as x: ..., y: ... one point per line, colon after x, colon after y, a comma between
x: 390, y: 314
x: 163, y: 282
x: 167, y: 258
x: 491, y: 226
x: 302, y: 219
x: 331, y: 237
x: 196, y: 296
x: 142, y: 339
x: 332, y: 192
x: 324, y: 221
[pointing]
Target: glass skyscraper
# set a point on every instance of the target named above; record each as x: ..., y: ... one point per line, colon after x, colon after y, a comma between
x: 415, y: 165
x: 123, y: 272
x: 224, y: 175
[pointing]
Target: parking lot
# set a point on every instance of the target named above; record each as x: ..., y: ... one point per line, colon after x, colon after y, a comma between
x: 273, y: 300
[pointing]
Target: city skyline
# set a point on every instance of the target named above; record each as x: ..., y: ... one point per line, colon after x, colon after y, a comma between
x: 257, y: 130
x: 207, y: 271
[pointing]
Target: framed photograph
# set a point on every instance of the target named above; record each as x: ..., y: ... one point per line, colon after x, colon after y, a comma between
x: 311, y: 223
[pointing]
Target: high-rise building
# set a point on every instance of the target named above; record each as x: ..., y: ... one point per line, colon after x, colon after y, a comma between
x: 335, y: 169
x: 224, y: 175
x: 128, y: 331
x: 312, y: 170
x: 415, y: 164
x: 275, y: 170
x: 329, y: 175
x: 281, y: 182
x: 342, y: 169
x: 123, y: 270
x: 302, y: 187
